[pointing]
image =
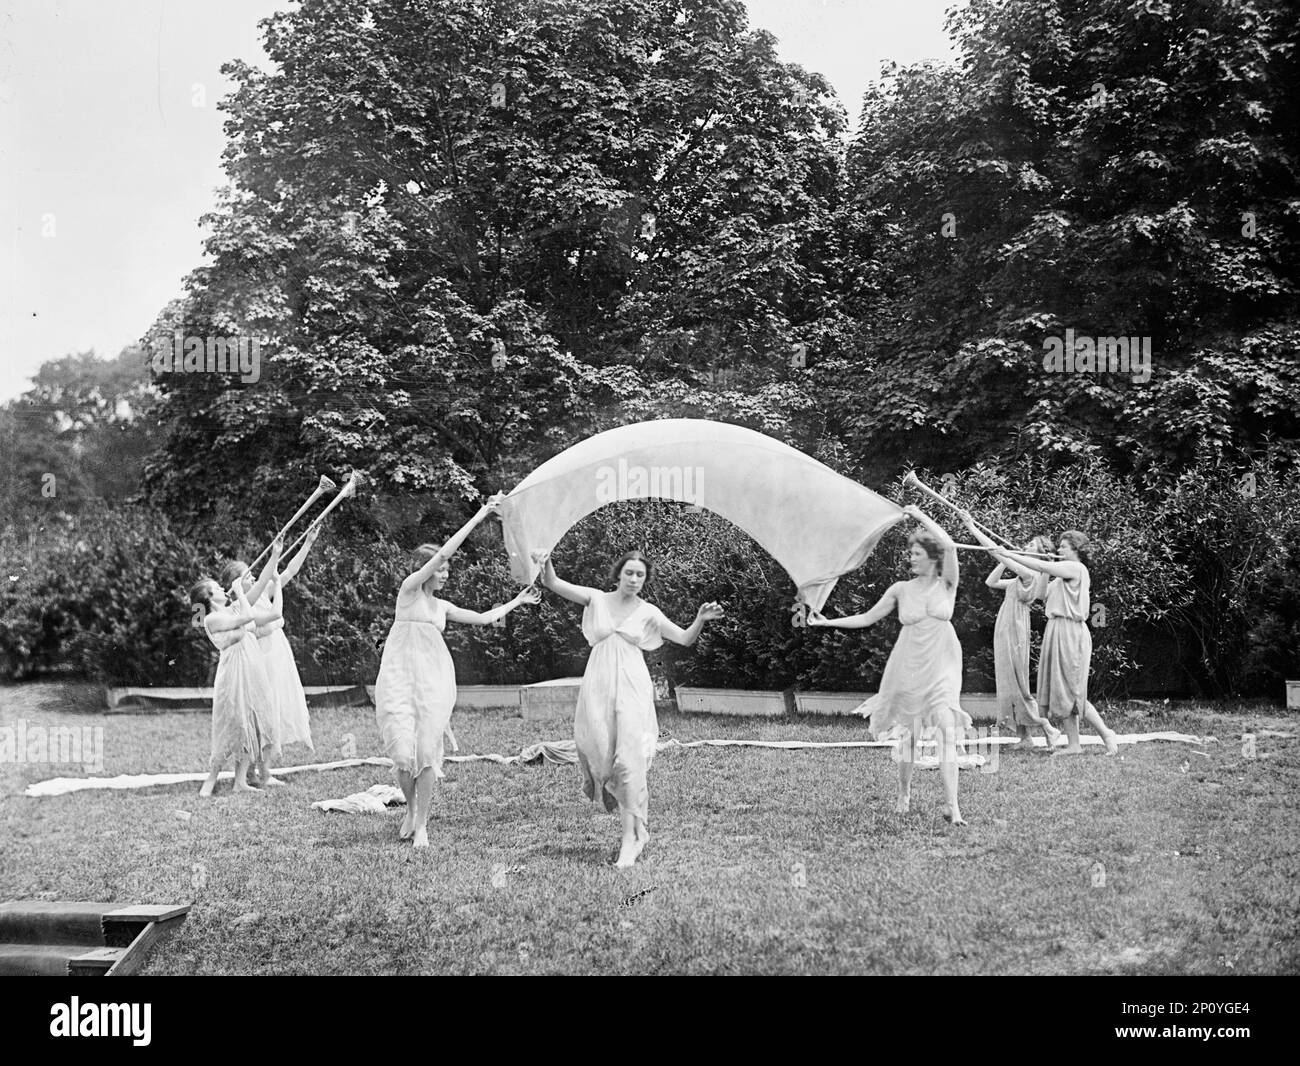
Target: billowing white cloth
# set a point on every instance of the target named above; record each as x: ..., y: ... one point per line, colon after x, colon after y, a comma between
x: 816, y: 523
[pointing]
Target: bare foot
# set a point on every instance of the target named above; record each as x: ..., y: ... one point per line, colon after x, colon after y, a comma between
x: 1026, y: 745
x: 244, y: 786
x: 271, y: 782
x: 408, y: 827
x: 1053, y: 735
x: 904, y: 804
x: 421, y: 839
x: 207, y: 788
x: 627, y: 853
x: 1069, y: 749
x: 954, y: 816
x: 1108, y: 738
x: 641, y: 841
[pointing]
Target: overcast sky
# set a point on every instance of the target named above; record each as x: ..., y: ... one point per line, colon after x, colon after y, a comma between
x: 110, y: 145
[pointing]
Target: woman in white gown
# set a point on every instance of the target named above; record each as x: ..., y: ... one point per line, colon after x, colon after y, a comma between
x: 1066, y: 655
x: 292, y: 720
x: 921, y: 686
x: 416, y: 688
x: 242, y: 702
x: 1011, y: 640
x: 615, y: 728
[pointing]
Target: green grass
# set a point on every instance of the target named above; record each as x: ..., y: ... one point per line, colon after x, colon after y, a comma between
x: 1202, y: 867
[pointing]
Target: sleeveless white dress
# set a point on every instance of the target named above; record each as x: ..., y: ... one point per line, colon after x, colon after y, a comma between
x: 416, y: 688
x: 243, y: 709
x: 921, y: 685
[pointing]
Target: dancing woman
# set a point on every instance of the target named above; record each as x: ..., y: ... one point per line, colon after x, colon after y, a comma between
x: 242, y: 702
x: 615, y: 728
x: 416, y: 688
x: 1011, y: 637
x: 1066, y: 655
x: 921, y: 685
x: 292, y: 722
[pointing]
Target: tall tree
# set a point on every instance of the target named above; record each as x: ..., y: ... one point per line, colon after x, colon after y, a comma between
x: 461, y: 229
x: 1114, y: 168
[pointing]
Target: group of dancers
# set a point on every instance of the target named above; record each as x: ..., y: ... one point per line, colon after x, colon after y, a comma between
x: 259, y: 706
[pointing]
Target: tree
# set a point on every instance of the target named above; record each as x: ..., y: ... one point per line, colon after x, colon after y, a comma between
x: 1117, y: 169
x: 465, y: 232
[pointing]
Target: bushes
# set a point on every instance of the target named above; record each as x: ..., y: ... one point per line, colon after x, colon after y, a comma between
x: 104, y: 593
x: 1202, y: 561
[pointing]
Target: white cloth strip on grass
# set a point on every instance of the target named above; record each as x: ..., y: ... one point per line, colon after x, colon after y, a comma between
x: 60, y: 786
x: 558, y: 751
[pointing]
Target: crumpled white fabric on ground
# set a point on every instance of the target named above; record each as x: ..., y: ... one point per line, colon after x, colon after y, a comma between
x: 374, y: 800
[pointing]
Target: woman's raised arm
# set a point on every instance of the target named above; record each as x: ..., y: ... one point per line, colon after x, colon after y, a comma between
x: 420, y: 576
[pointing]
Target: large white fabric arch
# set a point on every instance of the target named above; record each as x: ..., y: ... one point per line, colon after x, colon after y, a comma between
x: 816, y: 523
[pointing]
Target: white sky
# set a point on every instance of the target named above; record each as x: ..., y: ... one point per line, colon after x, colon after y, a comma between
x: 107, y: 162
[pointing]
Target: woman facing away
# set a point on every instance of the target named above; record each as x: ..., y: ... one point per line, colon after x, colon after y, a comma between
x: 921, y: 686
x: 615, y: 728
x: 1066, y: 655
x: 1011, y: 639
x: 242, y: 701
x: 292, y: 722
x: 416, y: 688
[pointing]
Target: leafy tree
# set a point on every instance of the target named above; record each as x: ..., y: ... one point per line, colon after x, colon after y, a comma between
x: 1118, y: 168
x: 465, y: 233
x: 81, y: 432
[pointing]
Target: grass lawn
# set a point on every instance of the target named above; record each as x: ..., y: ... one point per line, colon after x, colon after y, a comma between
x: 1202, y: 862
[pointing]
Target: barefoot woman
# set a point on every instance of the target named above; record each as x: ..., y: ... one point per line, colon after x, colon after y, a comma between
x: 291, y: 722
x: 416, y: 688
x: 243, y: 705
x: 615, y: 728
x: 1011, y: 637
x: 1066, y: 654
x: 921, y: 685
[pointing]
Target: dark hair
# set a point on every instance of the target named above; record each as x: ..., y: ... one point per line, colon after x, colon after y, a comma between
x: 201, y: 595
x: 626, y: 558
x: 232, y: 572
x: 1081, y: 544
x: 927, y: 541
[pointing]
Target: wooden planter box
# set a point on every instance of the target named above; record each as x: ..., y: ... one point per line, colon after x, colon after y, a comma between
x: 136, y: 700
x: 746, y: 702
x: 981, y: 706
x: 1293, y: 695
x: 557, y: 698
x: 489, y: 696
x: 829, y: 702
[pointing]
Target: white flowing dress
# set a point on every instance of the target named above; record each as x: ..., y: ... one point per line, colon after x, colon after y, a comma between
x: 292, y: 716
x: 921, y: 686
x: 243, y: 708
x: 615, y: 728
x: 416, y: 688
